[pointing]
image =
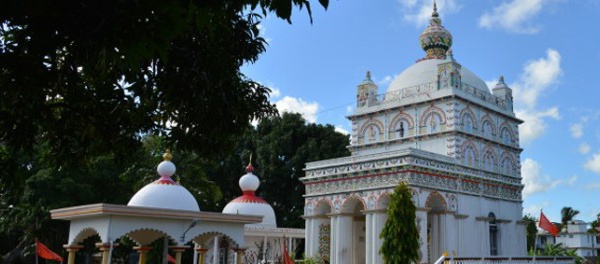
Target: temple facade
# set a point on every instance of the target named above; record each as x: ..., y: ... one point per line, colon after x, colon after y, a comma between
x: 454, y: 141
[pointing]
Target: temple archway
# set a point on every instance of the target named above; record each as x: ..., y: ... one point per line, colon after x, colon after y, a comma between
x: 436, y: 218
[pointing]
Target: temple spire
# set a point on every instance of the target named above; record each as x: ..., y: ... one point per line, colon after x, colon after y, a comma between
x: 435, y: 39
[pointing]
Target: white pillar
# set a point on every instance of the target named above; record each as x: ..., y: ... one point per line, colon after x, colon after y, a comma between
x: 322, y: 220
x: 333, y: 239
x: 345, y: 238
x: 380, y: 218
x: 422, y: 215
x: 216, y: 250
x: 370, y: 230
x: 265, y: 249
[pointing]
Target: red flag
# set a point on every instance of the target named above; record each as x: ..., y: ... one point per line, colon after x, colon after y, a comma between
x: 171, y: 259
x: 46, y: 253
x: 286, y: 257
x: 547, y: 225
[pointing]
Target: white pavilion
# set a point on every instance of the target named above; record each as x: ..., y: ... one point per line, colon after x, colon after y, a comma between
x: 439, y: 128
x: 162, y: 208
x: 246, y: 231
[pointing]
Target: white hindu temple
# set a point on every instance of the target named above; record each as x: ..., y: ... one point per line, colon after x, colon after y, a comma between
x: 439, y: 128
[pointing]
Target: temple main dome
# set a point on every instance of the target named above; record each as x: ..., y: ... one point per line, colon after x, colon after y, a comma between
x: 249, y: 203
x: 164, y: 192
x: 426, y: 71
x: 436, y: 41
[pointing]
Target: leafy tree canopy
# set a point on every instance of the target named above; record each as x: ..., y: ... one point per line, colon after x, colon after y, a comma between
x: 91, y: 77
x: 400, y: 234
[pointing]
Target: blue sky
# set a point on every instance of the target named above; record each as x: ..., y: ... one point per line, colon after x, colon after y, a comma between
x: 547, y: 50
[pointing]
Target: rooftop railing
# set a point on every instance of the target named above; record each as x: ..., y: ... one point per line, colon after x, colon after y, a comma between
x: 429, y: 89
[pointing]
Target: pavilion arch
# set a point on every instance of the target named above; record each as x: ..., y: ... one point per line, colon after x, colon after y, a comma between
x: 145, y: 236
x: 383, y: 201
x: 432, y: 110
x: 436, y: 202
x: 204, y: 238
x: 83, y: 234
x: 352, y: 203
x: 323, y: 207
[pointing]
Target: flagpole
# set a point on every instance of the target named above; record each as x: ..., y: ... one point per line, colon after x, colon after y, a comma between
x: 36, y: 251
x: 535, y: 245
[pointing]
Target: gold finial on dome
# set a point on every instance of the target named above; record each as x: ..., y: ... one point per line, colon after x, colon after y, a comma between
x: 435, y: 13
x: 167, y: 155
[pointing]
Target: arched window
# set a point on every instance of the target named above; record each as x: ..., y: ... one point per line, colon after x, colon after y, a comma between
x: 468, y: 123
x: 493, y: 235
x: 433, y: 124
x: 487, y: 129
x: 469, y: 156
x: 506, y: 136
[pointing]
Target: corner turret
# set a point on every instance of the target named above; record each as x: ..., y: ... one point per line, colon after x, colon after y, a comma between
x: 502, y: 91
x: 366, y: 94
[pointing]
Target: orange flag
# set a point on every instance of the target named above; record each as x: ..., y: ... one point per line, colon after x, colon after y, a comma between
x: 46, y: 253
x: 547, y: 225
x: 286, y: 257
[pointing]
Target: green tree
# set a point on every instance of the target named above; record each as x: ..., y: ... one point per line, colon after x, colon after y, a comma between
x: 531, y: 230
x: 567, y: 214
x: 400, y: 234
x: 91, y: 77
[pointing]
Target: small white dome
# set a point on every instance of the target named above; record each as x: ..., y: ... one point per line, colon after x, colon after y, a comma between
x: 249, y: 203
x: 426, y: 71
x: 252, y: 205
x: 249, y: 182
x: 168, y: 195
x: 164, y: 192
x: 166, y: 168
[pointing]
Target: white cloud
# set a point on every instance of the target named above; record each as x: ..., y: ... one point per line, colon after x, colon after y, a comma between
x: 584, y: 148
x: 262, y: 32
x: 593, y: 164
x: 593, y: 186
x: 572, y: 180
x: 576, y: 130
x: 535, y: 209
x: 275, y: 93
x: 534, y: 123
x: 308, y: 110
x: 533, y: 179
x: 386, y: 80
x: 342, y: 130
x: 349, y: 110
x: 514, y: 16
x: 538, y: 75
x: 420, y: 14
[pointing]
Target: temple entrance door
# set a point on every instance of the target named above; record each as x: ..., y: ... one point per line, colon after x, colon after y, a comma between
x: 436, y: 234
x: 359, y: 240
